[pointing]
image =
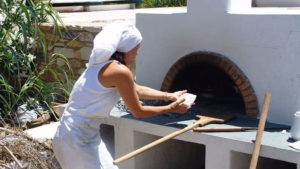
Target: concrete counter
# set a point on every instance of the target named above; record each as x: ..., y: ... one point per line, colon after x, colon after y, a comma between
x: 226, y: 150
x: 123, y: 133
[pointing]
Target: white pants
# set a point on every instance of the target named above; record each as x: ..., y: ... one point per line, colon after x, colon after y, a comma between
x: 77, y: 144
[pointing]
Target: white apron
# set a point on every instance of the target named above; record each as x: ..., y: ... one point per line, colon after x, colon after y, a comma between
x: 77, y: 143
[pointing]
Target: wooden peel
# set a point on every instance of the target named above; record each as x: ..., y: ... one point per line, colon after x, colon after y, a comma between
x: 204, y: 119
x: 209, y: 117
x: 259, y: 133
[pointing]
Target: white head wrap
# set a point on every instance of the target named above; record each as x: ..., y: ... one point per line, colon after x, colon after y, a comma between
x: 118, y: 36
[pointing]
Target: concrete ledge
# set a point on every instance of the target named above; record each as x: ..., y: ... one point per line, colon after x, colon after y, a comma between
x: 91, y: 8
x: 278, y: 3
x: 96, y: 18
x: 218, y: 150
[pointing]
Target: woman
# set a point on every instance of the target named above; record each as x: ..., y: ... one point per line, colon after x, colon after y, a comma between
x: 77, y: 143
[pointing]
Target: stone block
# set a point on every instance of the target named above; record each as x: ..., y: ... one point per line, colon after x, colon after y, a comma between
x: 63, y: 40
x: 50, y: 47
x: 70, y: 35
x: 75, y: 64
x: 93, y: 29
x: 69, y: 53
x: 75, y: 27
x: 86, y: 37
x: 60, y: 62
x: 80, y: 71
x: 45, y: 27
x: 59, y: 44
x: 86, y: 52
x: 52, y: 38
x: 78, y: 54
x: 89, y: 44
x: 74, y: 44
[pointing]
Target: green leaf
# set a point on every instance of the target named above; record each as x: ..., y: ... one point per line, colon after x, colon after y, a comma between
x: 43, y: 43
x: 24, y: 32
x: 25, y: 10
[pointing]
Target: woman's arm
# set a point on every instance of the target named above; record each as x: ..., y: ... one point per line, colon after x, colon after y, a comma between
x: 148, y: 93
x: 120, y: 76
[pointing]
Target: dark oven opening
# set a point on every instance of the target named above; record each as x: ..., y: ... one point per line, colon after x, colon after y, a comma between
x: 219, y: 84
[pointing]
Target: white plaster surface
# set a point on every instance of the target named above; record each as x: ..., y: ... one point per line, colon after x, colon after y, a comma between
x: 264, y: 43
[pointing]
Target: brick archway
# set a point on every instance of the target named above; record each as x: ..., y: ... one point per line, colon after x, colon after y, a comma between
x: 224, y: 64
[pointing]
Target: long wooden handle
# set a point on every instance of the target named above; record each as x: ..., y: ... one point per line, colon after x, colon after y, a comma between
x: 259, y: 133
x: 236, y: 129
x: 157, y: 142
x: 232, y: 129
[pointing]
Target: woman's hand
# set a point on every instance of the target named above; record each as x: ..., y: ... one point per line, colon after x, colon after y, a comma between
x: 175, y: 96
x: 175, y: 107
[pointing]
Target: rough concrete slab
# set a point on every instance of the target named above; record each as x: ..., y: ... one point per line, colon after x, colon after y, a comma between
x: 180, y: 121
x: 100, y: 18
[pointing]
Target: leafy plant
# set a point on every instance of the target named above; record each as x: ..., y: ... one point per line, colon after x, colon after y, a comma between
x: 163, y: 3
x: 23, y: 48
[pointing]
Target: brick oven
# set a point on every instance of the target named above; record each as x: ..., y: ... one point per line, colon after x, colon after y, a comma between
x: 216, y: 80
x: 225, y: 50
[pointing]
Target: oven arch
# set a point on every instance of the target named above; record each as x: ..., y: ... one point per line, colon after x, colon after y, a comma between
x: 221, y: 64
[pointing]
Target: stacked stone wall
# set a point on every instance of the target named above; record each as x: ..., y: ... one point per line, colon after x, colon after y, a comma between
x: 76, y: 44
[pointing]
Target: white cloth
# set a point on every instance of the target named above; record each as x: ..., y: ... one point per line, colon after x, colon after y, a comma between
x: 89, y: 98
x: 118, y: 36
x: 77, y: 143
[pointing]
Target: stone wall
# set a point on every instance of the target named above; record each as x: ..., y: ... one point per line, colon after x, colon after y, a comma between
x: 76, y: 44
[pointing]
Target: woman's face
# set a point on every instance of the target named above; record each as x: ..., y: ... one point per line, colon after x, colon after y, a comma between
x: 130, y: 55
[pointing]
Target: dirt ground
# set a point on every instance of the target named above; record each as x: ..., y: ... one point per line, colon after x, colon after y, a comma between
x: 18, y: 150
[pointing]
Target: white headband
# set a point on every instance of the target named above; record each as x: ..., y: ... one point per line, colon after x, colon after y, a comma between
x: 118, y: 36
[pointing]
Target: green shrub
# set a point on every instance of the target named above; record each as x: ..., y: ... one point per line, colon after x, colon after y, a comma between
x: 22, y: 47
x: 163, y: 3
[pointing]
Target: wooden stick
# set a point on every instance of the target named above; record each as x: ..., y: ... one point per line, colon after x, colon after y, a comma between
x: 231, y: 129
x: 235, y: 129
x: 159, y: 141
x: 261, y: 126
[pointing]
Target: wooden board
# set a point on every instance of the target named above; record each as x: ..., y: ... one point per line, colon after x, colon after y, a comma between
x: 211, y: 117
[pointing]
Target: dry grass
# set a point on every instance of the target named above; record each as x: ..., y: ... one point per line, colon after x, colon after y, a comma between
x: 18, y: 150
